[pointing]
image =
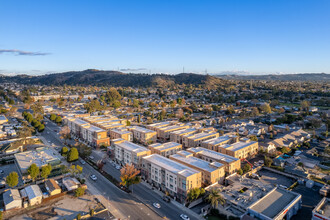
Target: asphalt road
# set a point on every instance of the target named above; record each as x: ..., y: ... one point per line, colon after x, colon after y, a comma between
x: 124, y: 203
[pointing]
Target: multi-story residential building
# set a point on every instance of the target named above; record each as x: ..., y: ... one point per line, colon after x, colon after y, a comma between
x: 93, y: 135
x: 143, y: 135
x: 176, y: 136
x: 195, y: 140
x: 212, y: 172
x: 232, y: 164
x: 240, y: 149
x: 129, y: 153
x: 170, y: 176
x: 122, y: 133
x: 213, y: 143
x: 165, y: 149
x: 164, y: 132
x: 157, y: 126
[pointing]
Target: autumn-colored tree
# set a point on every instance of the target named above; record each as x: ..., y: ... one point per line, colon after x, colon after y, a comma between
x: 129, y: 175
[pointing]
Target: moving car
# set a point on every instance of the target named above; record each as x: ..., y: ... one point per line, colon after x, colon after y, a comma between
x: 156, y: 205
x: 93, y: 177
x: 184, y: 217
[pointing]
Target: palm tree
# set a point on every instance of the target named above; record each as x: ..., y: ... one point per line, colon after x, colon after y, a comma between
x: 215, y: 198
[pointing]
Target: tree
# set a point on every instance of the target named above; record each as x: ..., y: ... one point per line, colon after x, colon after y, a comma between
x: 91, y: 212
x: 266, y: 108
x: 214, y: 198
x: 37, y: 109
x: 305, y: 105
x: 25, y: 132
x: 73, y: 155
x: 246, y: 168
x: 240, y: 171
x: 83, y: 150
x: 129, y: 175
x: 285, y: 150
x: 195, y: 193
x: 253, y: 138
x: 79, y: 192
x: 52, y: 117
x: 79, y: 169
x: 64, y: 151
x: 65, y: 134
x: 12, y: 179
x: 268, y: 161
x: 45, y: 171
x: 58, y: 119
x: 33, y: 171
x: 41, y: 128
x: 230, y: 110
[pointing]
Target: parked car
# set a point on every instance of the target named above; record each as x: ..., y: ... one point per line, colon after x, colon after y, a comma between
x: 166, y: 198
x: 82, y: 162
x: 118, y: 167
x: 91, y: 157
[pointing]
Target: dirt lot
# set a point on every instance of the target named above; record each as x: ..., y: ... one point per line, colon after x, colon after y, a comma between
x: 66, y: 208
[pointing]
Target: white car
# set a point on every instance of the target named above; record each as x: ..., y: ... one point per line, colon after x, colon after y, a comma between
x: 156, y: 205
x: 91, y: 157
x: 184, y: 217
x: 93, y: 177
x: 118, y: 167
x: 82, y: 162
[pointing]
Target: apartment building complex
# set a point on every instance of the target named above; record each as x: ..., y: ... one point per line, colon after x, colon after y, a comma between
x: 212, y: 172
x: 129, y: 153
x: 122, y: 133
x: 170, y: 176
x: 157, y: 126
x: 214, y: 143
x: 107, y: 123
x: 232, y: 164
x: 143, y: 135
x: 177, y: 136
x: 240, y: 149
x: 90, y: 134
x: 165, y: 149
x: 164, y: 132
x: 195, y: 140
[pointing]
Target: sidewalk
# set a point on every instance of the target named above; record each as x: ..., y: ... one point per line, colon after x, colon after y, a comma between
x: 178, y: 205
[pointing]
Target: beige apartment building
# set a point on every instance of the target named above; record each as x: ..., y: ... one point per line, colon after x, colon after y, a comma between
x: 214, y: 143
x: 165, y: 149
x: 157, y: 126
x: 212, y: 172
x: 129, y: 153
x: 232, y: 164
x: 177, y: 136
x: 164, y: 132
x: 170, y: 176
x: 122, y: 133
x: 240, y: 149
x: 143, y: 135
x: 195, y: 140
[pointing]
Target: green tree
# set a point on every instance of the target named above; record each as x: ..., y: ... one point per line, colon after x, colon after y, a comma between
x: 41, y: 128
x: 214, y: 198
x: 268, y: 161
x: 65, y: 134
x: 91, y: 212
x: 24, y: 132
x: 78, y: 216
x: 79, y: 192
x: 246, y: 168
x: 12, y: 179
x: 195, y: 193
x: 45, y: 171
x: 64, y: 151
x: 266, y: 108
x: 305, y: 105
x: 253, y: 138
x: 73, y: 155
x: 240, y: 171
x: 52, y: 117
x: 58, y: 119
x: 33, y: 171
x: 129, y: 176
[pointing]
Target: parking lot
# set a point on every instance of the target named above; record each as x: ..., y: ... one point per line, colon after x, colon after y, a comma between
x: 8, y: 168
x: 271, y: 178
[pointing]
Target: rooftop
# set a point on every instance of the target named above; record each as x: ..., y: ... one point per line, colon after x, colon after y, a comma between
x: 95, y: 129
x: 140, y: 129
x: 274, y: 202
x: 164, y: 146
x: 184, y: 131
x: 170, y: 165
x: 213, y: 154
x: 33, y: 191
x: 218, y: 140
x: 196, y: 162
x: 201, y: 135
x: 132, y: 147
x: 237, y: 146
x: 323, y: 208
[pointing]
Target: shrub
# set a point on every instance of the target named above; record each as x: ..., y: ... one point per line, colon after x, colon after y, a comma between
x: 79, y: 192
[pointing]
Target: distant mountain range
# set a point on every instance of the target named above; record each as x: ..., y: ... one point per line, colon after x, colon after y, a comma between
x: 116, y: 78
x: 281, y: 77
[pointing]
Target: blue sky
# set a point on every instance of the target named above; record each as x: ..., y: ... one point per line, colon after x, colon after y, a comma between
x: 249, y: 36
